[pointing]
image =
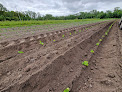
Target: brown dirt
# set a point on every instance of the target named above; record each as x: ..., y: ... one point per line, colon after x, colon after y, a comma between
x: 8, y: 34
x: 57, y: 65
x: 105, y: 71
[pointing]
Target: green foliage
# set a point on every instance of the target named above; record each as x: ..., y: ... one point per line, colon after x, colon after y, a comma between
x: 97, y: 44
x: 85, y: 63
x: 20, y: 52
x: 2, y: 18
x: 106, y: 33
x: 92, y: 51
x: 54, y: 40
x: 66, y: 90
x: 70, y: 34
x: 41, y: 43
x: 100, y: 40
x: 103, y: 36
x: 4, y: 24
x: 86, y: 28
x: 63, y: 36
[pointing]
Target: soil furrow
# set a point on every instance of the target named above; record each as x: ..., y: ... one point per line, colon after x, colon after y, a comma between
x: 103, y: 75
x: 59, y: 72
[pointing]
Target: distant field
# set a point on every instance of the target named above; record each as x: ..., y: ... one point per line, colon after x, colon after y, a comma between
x: 7, y: 24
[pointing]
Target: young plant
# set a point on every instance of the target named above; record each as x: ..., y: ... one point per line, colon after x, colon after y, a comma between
x: 63, y: 36
x: 85, y: 63
x: 41, y: 43
x: 100, y: 40
x: 97, y: 44
x: 103, y: 36
x: 106, y: 33
x: 75, y: 32
x: 92, y: 51
x: 20, y: 52
x: 86, y: 28
x: 79, y: 30
x: 67, y: 90
x: 70, y: 34
x: 54, y: 40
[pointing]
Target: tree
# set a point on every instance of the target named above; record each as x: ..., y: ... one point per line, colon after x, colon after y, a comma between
x: 101, y: 15
x: 48, y: 17
x: 109, y: 14
x: 2, y: 8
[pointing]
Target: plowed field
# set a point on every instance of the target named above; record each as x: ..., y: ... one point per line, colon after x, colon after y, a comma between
x: 52, y: 61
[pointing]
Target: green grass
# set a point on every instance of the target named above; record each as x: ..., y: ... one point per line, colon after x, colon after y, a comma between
x: 8, y: 24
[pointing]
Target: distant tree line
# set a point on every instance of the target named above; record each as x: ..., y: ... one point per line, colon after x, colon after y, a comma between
x: 30, y: 15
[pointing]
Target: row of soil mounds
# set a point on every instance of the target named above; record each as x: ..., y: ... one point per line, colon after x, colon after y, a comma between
x: 11, y: 48
x: 59, y: 72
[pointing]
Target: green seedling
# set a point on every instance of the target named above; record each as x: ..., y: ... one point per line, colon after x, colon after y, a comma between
x: 97, y: 44
x: 92, y: 51
x: 67, y: 90
x: 63, y: 36
x: 79, y: 30
x: 20, y: 52
x: 70, y: 34
x: 41, y: 43
x: 54, y: 40
x: 106, y: 33
x: 75, y: 32
x: 85, y: 63
x: 103, y: 36
x: 100, y: 40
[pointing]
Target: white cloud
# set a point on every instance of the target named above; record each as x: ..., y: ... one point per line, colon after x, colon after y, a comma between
x: 60, y: 7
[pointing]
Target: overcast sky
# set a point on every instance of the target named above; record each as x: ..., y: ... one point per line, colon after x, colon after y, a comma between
x: 60, y: 7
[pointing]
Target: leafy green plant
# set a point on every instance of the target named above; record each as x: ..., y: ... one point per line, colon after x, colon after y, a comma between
x: 85, y: 63
x: 75, y: 32
x: 103, y: 36
x: 54, y: 40
x: 41, y: 43
x: 70, y: 34
x: 20, y: 52
x: 63, y: 36
x: 67, y: 90
x: 79, y: 30
x: 100, y: 40
x: 97, y: 44
x: 106, y: 33
x: 92, y: 51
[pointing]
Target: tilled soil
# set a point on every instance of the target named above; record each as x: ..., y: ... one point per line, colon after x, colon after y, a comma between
x: 7, y: 34
x: 105, y: 71
x: 58, y: 64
